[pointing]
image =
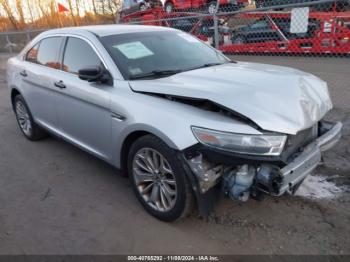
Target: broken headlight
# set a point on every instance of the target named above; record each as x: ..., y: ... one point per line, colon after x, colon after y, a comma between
x: 269, y: 145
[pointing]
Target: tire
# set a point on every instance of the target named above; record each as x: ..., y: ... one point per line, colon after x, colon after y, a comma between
x: 168, y: 200
x: 169, y: 7
x: 211, y: 7
x: 258, y: 4
x: 143, y: 7
x: 25, y: 120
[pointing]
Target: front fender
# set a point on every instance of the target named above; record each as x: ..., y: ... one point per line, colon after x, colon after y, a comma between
x: 137, y: 127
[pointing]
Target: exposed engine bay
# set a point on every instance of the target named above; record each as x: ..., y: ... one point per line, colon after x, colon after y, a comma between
x: 237, y: 182
x: 244, y: 177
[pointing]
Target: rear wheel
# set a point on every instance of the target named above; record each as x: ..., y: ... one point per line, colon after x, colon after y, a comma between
x: 159, y: 179
x: 169, y: 7
x: 25, y: 120
x: 211, y: 7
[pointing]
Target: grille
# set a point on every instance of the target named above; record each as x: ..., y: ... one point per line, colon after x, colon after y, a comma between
x: 295, y: 143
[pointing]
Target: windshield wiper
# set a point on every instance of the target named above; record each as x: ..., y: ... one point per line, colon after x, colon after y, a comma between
x: 156, y: 73
x: 211, y: 64
x: 205, y: 65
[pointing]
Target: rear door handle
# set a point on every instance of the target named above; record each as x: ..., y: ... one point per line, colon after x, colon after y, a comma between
x: 23, y: 73
x: 60, y: 84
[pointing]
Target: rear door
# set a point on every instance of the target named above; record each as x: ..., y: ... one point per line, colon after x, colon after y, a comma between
x: 83, y: 107
x: 41, y: 64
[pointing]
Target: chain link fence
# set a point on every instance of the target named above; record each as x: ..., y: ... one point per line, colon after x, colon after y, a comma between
x: 303, y: 27
x: 310, y: 35
x: 14, y: 42
x: 292, y: 27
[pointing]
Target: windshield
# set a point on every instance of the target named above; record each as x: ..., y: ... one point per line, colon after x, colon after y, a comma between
x: 151, y: 53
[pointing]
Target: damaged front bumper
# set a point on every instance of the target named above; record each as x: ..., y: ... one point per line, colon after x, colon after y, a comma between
x: 245, y: 177
x: 296, y: 171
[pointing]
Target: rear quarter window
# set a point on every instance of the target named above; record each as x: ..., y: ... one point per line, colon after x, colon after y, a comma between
x: 32, y: 54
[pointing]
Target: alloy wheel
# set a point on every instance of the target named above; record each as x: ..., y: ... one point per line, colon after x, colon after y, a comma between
x: 212, y: 8
x: 23, y: 118
x: 168, y: 8
x: 155, y: 179
x: 143, y: 7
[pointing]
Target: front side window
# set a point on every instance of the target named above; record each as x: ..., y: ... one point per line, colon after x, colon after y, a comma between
x: 137, y: 54
x: 78, y: 55
x: 48, y: 52
x: 32, y: 54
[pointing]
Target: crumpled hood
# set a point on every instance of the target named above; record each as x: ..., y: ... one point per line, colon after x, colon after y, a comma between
x: 276, y: 98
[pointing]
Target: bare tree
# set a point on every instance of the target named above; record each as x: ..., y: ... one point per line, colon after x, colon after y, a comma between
x: 94, y: 7
x: 112, y: 8
x: 30, y: 10
x: 54, y: 13
x: 71, y: 12
x: 9, y: 13
x: 42, y: 5
x: 20, y: 12
x: 77, y: 7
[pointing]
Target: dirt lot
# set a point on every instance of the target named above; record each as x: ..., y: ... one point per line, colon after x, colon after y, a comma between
x: 56, y: 199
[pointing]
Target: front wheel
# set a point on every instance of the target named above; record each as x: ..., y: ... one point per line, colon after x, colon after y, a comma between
x: 159, y: 179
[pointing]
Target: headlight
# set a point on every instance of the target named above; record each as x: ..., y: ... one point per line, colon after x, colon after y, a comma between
x: 270, y: 145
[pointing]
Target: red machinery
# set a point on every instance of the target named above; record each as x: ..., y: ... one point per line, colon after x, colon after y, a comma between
x: 170, y: 5
x: 143, y: 16
x: 332, y: 35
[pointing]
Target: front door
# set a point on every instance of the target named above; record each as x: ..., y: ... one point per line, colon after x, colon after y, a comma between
x: 83, y: 107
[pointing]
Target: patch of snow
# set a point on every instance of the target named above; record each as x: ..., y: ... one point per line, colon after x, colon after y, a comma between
x: 317, y: 187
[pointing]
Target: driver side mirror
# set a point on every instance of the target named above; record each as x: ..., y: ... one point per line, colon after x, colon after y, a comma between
x: 94, y: 74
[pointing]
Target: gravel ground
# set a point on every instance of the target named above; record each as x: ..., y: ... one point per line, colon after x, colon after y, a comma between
x: 56, y: 199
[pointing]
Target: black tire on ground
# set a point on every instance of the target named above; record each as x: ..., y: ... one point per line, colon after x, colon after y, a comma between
x: 184, y: 201
x: 169, y: 7
x: 35, y: 132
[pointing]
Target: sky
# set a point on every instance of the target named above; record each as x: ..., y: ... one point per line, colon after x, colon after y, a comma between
x: 87, y: 3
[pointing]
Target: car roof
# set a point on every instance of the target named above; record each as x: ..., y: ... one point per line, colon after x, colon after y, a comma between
x: 105, y: 30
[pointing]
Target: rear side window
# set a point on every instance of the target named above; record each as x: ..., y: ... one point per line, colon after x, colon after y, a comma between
x: 32, y: 54
x: 78, y: 55
x: 48, y: 52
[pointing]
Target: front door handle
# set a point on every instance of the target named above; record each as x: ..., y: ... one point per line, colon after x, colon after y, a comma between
x: 60, y: 84
x: 23, y: 73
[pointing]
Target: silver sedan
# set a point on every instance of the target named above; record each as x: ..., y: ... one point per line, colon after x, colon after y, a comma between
x: 181, y: 119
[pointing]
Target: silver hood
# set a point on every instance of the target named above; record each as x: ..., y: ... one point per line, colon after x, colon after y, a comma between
x: 278, y: 99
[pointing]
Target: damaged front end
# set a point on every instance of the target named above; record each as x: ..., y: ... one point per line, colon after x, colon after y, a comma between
x: 241, y: 176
